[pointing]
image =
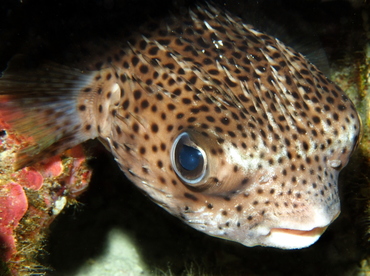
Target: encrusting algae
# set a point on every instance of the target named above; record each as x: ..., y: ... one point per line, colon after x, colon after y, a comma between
x: 223, y: 126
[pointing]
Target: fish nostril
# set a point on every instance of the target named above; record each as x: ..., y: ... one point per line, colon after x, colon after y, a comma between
x: 335, y: 163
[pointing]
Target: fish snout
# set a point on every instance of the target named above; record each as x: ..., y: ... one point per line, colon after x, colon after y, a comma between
x: 298, y: 232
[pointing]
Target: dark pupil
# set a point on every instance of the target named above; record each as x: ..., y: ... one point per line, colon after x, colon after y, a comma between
x: 189, y: 157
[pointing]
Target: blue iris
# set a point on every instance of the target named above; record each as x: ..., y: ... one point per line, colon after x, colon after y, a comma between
x: 189, y: 157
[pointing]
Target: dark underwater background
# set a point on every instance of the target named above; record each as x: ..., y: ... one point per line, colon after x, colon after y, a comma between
x: 50, y: 30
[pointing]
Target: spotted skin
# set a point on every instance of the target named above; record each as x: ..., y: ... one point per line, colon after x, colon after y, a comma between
x: 275, y: 131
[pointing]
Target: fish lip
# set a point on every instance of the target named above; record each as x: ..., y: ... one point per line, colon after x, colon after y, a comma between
x: 286, y: 238
x: 296, y: 232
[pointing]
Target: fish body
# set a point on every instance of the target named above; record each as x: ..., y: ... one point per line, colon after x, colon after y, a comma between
x: 223, y: 126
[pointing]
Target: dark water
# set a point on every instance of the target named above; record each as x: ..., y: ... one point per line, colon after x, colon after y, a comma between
x: 50, y: 29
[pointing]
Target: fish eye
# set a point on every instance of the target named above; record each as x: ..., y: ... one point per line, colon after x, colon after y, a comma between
x: 188, y: 160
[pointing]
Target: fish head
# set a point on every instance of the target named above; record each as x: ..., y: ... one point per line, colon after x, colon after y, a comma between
x: 239, y: 174
x: 245, y: 146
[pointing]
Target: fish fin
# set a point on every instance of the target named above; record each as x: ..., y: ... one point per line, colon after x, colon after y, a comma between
x: 42, y: 104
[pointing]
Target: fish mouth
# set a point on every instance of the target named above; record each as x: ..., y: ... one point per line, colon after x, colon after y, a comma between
x: 293, y: 238
x: 301, y: 235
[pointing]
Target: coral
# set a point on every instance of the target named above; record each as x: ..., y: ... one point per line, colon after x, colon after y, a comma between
x: 31, y: 198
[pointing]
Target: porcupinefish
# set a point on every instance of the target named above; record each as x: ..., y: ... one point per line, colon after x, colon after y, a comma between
x: 223, y: 126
